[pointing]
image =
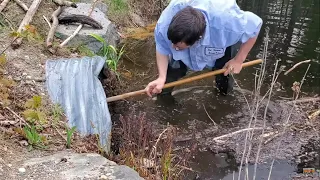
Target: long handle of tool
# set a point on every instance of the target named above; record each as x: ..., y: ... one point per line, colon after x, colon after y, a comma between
x: 182, y: 81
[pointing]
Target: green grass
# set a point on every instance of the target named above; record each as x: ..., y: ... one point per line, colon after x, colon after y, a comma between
x: 111, y: 53
x: 69, y: 135
x: 117, y: 6
x: 118, y: 11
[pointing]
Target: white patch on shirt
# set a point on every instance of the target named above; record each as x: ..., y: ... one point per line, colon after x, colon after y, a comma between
x: 209, y: 51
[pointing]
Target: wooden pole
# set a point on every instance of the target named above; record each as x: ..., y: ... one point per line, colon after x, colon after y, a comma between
x: 182, y: 81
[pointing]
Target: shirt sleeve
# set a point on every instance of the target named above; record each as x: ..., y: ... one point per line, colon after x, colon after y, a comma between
x: 251, y: 26
x: 161, y: 44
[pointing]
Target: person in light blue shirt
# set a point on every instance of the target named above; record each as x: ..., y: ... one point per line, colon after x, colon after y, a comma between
x: 199, y: 34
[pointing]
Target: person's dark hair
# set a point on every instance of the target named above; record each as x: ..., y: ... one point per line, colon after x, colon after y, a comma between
x: 187, y: 26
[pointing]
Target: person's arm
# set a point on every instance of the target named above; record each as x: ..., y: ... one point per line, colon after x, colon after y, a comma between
x: 162, y: 59
x: 162, y: 64
x: 251, y: 28
x: 244, y: 50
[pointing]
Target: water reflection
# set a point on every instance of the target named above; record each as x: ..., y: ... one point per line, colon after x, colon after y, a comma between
x: 294, y: 37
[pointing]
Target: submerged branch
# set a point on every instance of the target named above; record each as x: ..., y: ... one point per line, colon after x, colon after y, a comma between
x: 296, y: 65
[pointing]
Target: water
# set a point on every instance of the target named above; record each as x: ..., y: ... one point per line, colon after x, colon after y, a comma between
x: 294, y: 37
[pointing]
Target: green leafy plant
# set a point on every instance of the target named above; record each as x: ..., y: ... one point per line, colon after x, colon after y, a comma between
x: 34, y: 112
x: 35, y: 140
x: 30, y: 33
x: 69, y: 135
x: 5, y: 84
x: 111, y: 53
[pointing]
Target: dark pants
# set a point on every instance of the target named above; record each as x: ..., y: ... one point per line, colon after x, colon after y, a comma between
x: 223, y: 83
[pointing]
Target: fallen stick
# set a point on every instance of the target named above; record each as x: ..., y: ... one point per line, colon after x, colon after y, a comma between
x: 304, y: 100
x: 22, y: 5
x: 54, y: 26
x: 26, y: 20
x: 296, y: 65
x: 15, y: 114
x: 237, y: 132
x: 79, y: 27
x: 3, y: 4
x: 65, y: 3
x: 209, y: 115
x: 46, y: 19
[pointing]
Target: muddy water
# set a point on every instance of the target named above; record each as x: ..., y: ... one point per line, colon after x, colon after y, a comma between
x: 294, y: 37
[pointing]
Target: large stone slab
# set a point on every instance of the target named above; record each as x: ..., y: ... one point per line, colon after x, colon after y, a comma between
x: 108, y: 32
x: 71, y: 166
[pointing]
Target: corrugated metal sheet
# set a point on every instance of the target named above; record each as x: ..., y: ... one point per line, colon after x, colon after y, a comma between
x: 73, y: 83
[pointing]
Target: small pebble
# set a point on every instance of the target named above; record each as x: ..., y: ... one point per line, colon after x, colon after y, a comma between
x: 103, y: 177
x: 22, y: 170
x: 28, y: 77
x: 24, y: 74
x: 17, y: 79
x: 9, y: 165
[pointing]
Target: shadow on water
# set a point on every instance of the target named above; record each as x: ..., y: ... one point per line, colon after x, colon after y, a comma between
x: 294, y: 37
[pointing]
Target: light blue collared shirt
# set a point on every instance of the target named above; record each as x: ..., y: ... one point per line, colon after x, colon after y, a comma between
x: 226, y: 25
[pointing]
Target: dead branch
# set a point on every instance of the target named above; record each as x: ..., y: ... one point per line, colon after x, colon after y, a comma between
x: 209, y: 115
x: 65, y: 3
x: 237, y: 132
x: 22, y: 5
x: 26, y: 20
x: 46, y: 19
x: 82, y: 19
x: 15, y: 114
x: 79, y: 27
x: 296, y: 65
x: 154, y: 148
x: 54, y: 26
x: 60, y: 134
x: 3, y: 4
x: 305, y: 100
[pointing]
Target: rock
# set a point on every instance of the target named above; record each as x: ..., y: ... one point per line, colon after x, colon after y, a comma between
x: 22, y: 170
x: 23, y: 143
x: 103, y: 177
x: 100, y: 5
x: 137, y: 19
x: 109, y: 32
x: 78, y: 166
